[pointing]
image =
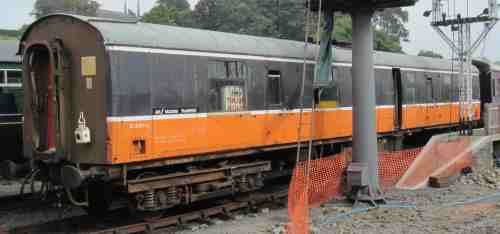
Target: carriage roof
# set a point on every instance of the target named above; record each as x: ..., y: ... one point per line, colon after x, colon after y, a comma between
x: 146, y: 35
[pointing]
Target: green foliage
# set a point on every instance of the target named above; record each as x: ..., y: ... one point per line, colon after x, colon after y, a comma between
x: 497, y: 62
x: 254, y: 17
x: 179, y: 4
x: 12, y: 34
x: 170, y: 12
x: 6, y: 34
x: 391, y: 21
x: 161, y: 14
x: 343, y: 28
x: 386, y: 42
x: 273, y: 18
x: 428, y: 53
x: 6, y: 38
x: 82, y: 7
x: 383, y: 41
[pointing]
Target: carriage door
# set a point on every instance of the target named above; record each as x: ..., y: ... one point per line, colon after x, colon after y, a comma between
x: 398, y: 98
x: 429, y: 100
x: 44, y: 63
x: 61, y: 93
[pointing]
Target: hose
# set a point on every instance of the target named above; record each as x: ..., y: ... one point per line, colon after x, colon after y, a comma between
x: 392, y: 205
x: 28, y: 179
x: 74, y: 201
x: 399, y: 205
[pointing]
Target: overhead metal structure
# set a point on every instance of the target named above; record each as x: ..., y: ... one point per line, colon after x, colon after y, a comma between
x: 444, y: 15
x: 363, y: 171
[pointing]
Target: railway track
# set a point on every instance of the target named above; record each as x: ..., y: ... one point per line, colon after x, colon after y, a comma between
x: 16, y: 202
x: 120, y: 221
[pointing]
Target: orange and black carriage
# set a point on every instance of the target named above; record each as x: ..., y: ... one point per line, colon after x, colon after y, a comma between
x: 167, y: 116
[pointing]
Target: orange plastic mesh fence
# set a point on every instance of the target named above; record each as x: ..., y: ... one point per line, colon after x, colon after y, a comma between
x: 325, y: 183
x: 323, y: 179
x: 440, y: 157
x: 392, y: 166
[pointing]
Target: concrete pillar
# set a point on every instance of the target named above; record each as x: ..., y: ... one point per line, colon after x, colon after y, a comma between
x: 363, y: 94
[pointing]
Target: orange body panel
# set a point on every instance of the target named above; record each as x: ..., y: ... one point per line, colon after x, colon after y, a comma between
x: 174, y: 137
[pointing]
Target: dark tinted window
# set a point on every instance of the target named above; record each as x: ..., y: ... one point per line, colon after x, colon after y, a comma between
x: 384, y: 87
x: 329, y: 96
x: 228, y: 81
x: 345, y: 86
x: 446, y: 88
x: 11, y: 92
x: 437, y: 85
x: 409, y: 87
x: 455, y: 84
x: 475, y: 88
x: 14, y: 77
x: 273, y: 91
x: 429, y: 88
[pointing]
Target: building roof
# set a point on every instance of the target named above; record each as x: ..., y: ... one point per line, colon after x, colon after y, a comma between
x: 138, y: 34
x: 8, y: 51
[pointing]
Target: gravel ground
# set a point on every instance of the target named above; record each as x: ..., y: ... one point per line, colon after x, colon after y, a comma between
x: 433, y: 213
x: 428, y: 210
x: 28, y: 216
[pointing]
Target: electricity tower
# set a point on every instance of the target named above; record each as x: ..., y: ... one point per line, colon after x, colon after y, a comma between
x: 444, y: 15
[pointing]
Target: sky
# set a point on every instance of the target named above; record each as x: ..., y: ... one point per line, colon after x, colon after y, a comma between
x: 422, y: 36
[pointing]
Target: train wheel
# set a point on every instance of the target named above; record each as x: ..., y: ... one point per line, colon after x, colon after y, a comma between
x: 99, y: 198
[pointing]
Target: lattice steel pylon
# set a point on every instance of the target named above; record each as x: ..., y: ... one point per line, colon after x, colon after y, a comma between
x: 444, y: 14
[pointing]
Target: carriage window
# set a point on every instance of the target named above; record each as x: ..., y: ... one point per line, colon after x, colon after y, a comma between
x: 496, y: 85
x: 384, y: 87
x: 344, y: 78
x: 429, y: 89
x: 217, y: 70
x: 14, y: 77
x: 228, y: 89
x: 273, y: 94
x: 446, y: 88
x: 11, y: 93
x: 409, y: 87
x: 329, y: 96
x: 475, y: 88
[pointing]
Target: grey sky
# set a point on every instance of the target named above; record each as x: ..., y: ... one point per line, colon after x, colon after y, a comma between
x: 422, y: 35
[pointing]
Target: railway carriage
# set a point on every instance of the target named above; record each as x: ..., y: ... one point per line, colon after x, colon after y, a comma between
x: 170, y: 115
x: 11, y: 105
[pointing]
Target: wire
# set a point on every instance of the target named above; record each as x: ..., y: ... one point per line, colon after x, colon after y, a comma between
x: 394, y: 205
x: 304, y: 67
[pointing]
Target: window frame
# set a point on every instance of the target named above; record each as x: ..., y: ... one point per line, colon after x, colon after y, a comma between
x: 5, y: 79
x: 216, y: 83
x: 406, y: 87
x: 274, y: 75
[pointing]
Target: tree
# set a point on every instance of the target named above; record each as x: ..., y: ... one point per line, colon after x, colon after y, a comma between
x: 272, y: 18
x: 179, y: 4
x: 285, y: 19
x: 82, y: 7
x: 431, y: 54
x: 170, y: 12
x: 383, y: 41
x: 391, y: 22
x: 343, y: 28
x: 497, y: 62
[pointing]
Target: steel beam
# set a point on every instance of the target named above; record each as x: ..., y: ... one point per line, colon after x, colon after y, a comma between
x: 363, y: 93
